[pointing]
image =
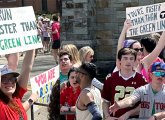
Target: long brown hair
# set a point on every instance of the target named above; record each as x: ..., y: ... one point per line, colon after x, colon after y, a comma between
x: 5, y: 98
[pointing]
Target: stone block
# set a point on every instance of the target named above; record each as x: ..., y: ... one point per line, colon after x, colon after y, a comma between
x: 102, y: 18
x: 122, y: 1
x: 66, y: 12
x: 78, y: 5
x: 104, y: 34
x: 80, y: 30
x: 80, y: 1
x: 101, y: 4
x: 105, y: 42
x: 121, y: 14
x: 145, y: 2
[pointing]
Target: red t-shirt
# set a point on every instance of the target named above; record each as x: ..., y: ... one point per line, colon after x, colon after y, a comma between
x: 56, y: 36
x: 68, y: 97
x: 8, y: 113
x: 116, y: 88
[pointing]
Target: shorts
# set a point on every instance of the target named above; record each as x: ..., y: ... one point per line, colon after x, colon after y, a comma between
x: 56, y: 44
x: 47, y: 39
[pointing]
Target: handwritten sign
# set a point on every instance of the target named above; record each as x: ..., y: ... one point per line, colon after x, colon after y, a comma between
x: 43, y: 84
x: 18, y: 30
x: 146, y: 19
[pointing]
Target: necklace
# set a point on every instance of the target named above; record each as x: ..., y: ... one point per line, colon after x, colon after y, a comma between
x: 15, y: 107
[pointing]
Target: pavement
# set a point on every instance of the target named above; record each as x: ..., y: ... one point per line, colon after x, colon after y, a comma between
x: 42, y: 63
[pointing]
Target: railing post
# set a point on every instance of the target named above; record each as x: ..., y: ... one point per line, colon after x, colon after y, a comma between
x: 32, y: 113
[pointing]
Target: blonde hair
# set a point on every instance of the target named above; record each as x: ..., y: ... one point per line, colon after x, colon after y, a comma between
x: 72, y: 49
x: 84, y: 51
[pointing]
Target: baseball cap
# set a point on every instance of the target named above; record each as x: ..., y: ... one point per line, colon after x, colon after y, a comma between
x: 5, y: 71
x: 158, y: 66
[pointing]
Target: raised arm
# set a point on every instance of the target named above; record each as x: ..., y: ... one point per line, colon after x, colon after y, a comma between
x: 149, y: 59
x: 127, y: 25
x: 13, y: 61
x: 26, y: 69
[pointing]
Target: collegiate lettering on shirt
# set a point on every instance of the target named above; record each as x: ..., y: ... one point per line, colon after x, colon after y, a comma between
x: 158, y: 105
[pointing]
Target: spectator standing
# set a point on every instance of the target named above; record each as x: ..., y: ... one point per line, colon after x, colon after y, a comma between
x: 55, y: 37
x: 86, y: 54
x: 12, y: 88
x: 69, y: 95
x: 65, y: 60
x: 89, y: 102
x: 121, y: 83
x: 54, y: 105
x: 73, y: 51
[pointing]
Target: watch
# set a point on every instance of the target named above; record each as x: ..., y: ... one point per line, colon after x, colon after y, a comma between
x: 30, y: 101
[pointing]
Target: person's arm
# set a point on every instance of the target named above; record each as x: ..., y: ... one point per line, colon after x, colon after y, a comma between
x: 88, y: 100
x: 105, y: 106
x: 27, y: 104
x: 13, y: 59
x: 126, y: 102
x: 127, y: 25
x: 26, y: 69
x: 158, y: 116
x: 132, y: 112
x: 97, y: 84
x: 149, y: 59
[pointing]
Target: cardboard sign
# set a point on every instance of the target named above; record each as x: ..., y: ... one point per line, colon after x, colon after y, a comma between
x: 18, y: 30
x: 146, y: 19
x: 43, y: 84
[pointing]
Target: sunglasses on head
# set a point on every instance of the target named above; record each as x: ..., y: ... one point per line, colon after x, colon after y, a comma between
x: 159, y: 74
x: 138, y: 49
x: 7, y: 80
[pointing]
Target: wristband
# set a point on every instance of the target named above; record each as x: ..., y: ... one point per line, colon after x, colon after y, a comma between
x: 69, y: 109
x: 30, y: 101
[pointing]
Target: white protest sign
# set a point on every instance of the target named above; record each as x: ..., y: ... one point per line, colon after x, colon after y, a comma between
x: 18, y: 30
x: 43, y: 84
x: 146, y: 19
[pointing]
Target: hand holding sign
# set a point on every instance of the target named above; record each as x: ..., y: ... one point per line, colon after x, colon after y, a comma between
x: 146, y: 19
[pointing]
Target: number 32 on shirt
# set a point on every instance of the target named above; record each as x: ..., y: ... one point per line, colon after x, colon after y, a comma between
x: 123, y: 92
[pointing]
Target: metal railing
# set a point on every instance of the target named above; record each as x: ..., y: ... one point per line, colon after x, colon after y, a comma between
x: 67, y: 113
x: 32, y: 108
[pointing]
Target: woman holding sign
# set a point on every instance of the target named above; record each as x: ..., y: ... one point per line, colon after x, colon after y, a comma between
x: 150, y: 54
x: 12, y: 88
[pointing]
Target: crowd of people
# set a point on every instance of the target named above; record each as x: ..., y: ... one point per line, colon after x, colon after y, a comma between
x: 131, y: 91
x: 135, y: 89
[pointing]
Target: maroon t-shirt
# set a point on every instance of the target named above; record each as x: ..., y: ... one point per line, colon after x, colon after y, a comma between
x: 116, y: 88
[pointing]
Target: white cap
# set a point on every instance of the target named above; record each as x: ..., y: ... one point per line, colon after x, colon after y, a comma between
x: 5, y: 70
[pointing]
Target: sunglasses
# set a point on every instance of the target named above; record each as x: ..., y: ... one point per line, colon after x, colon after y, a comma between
x: 159, y: 74
x: 138, y: 49
x: 7, y: 80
